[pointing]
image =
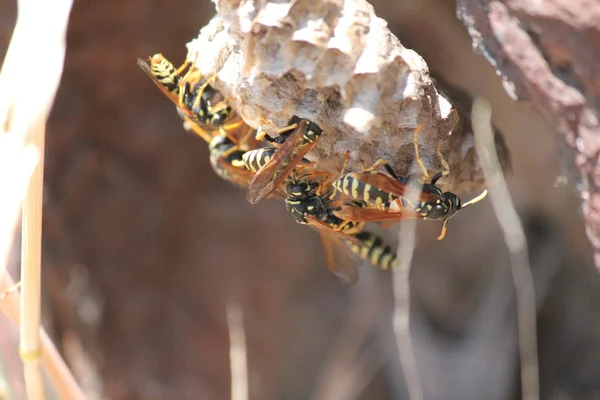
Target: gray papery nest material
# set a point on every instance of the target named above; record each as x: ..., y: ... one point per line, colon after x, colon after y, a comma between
x: 336, y: 63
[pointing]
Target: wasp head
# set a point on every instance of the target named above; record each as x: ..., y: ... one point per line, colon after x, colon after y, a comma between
x: 452, y: 204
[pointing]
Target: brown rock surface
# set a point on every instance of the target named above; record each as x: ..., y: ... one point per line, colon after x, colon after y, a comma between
x: 548, y: 54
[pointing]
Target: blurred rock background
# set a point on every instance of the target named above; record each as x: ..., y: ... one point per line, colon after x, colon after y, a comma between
x: 144, y: 247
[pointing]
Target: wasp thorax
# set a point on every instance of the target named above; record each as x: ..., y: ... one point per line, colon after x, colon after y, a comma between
x: 220, y: 143
x: 301, y: 188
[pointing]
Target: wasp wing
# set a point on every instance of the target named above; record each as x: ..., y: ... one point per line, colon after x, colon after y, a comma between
x: 145, y: 66
x: 280, y: 166
x: 242, y: 177
x: 371, y: 214
x: 341, y: 262
x: 174, y: 97
x: 397, y: 187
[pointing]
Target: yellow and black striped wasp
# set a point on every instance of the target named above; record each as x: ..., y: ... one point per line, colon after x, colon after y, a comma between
x: 294, y: 141
x: 257, y: 158
x: 306, y: 203
x: 203, y: 107
x: 381, y: 191
x: 227, y: 143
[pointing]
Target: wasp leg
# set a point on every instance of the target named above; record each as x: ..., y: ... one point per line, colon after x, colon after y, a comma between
x: 243, y: 142
x: 263, y: 136
x: 260, y: 134
x: 201, y: 90
x: 446, y: 170
x: 234, y: 125
x: 223, y: 131
x: 198, y: 131
x: 378, y: 164
x: 220, y: 106
x: 418, y: 158
x: 180, y: 70
x: 315, y: 175
x: 186, y: 77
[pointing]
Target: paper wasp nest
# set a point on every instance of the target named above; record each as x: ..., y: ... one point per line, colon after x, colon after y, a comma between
x: 337, y: 64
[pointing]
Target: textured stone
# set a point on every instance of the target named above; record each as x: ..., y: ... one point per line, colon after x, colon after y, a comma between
x: 547, y: 53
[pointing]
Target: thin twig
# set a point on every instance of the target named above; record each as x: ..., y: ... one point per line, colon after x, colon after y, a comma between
x: 514, y: 237
x: 237, y: 353
x: 401, y: 285
x: 58, y: 372
x: 17, y: 162
x: 31, y: 259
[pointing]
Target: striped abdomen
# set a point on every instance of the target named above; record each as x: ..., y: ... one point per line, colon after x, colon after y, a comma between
x: 164, y: 72
x: 352, y: 186
x: 374, y: 250
x: 256, y: 159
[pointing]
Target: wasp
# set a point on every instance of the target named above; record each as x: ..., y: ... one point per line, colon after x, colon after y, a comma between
x: 206, y: 103
x: 226, y: 157
x: 202, y: 106
x: 257, y: 159
x: 306, y: 203
x: 375, y: 250
x: 198, y: 102
x: 295, y: 141
x: 381, y: 190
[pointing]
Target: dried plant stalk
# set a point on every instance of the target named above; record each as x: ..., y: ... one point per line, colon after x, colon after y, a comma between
x: 31, y: 259
x: 514, y: 236
x: 238, y: 355
x: 336, y: 63
x: 58, y: 372
x: 40, y: 26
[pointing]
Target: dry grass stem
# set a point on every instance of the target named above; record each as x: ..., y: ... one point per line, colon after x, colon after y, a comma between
x: 514, y: 235
x: 17, y: 162
x: 238, y: 358
x: 401, y: 286
x: 31, y: 259
x: 65, y: 384
x: 40, y: 26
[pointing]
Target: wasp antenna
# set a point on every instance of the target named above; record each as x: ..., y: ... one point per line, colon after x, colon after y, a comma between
x: 446, y: 171
x: 418, y: 158
x: 391, y: 171
x: 437, y: 177
x: 476, y: 199
x: 444, y: 229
